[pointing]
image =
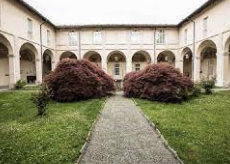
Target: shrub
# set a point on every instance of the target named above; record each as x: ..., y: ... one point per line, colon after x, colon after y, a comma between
x: 196, y: 91
x: 129, y: 75
x: 78, y: 80
x: 158, y: 82
x: 20, y: 84
x: 41, y: 100
x: 208, y: 85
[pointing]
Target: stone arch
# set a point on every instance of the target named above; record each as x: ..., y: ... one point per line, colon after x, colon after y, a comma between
x: 94, y: 57
x: 7, y: 43
x: 47, y: 62
x: 68, y: 54
x: 208, y: 59
x: 167, y: 57
x: 28, y: 70
x: 205, y: 44
x: 227, y: 45
x: 5, y: 51
x: 116, y: 52
x: 117, y: 67
x: 187, y: 58
x: 140, y: 60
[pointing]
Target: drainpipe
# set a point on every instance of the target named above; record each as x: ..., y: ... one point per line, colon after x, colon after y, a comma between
x: 194, y: 47
x: 155, y: 30
x: 41, y: 45
x: 79, y: 43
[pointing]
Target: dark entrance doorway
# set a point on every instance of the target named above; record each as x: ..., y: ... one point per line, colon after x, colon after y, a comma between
x: 118, y: 85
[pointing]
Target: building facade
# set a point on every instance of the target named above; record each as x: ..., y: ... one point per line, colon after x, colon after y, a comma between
x: 31, y: 45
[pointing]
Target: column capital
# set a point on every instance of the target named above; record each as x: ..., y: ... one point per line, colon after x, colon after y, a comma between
x: 11, y: 56
x: 226, y: 53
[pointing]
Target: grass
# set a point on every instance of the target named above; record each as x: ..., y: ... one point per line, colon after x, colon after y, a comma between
x: 199, y: 130
x: 53, y: 139
x: 32, y: 87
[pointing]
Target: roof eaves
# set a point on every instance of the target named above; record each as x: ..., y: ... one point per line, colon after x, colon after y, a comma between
x: 118, y: 26
x: 198, y: 11
x: 32, y: 9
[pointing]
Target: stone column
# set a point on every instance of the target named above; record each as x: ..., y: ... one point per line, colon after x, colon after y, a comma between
x: 104, y: 63
x: 12, y: 74
x: 17, y: 67
x: 219, y: 70
x: 155, y: 59
x: 129, y: 56
x: 104, y: 56
x: 56, y: 60
x: 196, y: 74
x: 38, y: 66
x: 53, y: 60
x: 128, y: 64
x: 220, y: 61
x: 54, y: 64
x: 226, y: 69
x: 17, y: 57
x: 179, y: 65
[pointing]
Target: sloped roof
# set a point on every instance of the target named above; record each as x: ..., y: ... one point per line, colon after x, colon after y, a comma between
x: 33, y: 10
x: 118, y: 26
x: 197, y: 11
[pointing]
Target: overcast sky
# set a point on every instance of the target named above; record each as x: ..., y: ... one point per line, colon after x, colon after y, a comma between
x: 70, y: 12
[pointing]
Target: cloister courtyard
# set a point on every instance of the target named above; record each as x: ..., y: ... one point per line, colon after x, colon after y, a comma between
x: 114, y: 93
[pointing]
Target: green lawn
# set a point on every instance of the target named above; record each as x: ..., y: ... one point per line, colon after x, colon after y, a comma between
x: 199, y: 130
x: 53, y: 139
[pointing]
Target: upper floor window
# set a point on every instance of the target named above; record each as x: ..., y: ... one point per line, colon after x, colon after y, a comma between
x: 185, y: 36
x: 72, y: 38
x: 205, y: 26
x: 30, y: 28
x: 135, y: 36
x: 97, y: 36
x: 48, y: 37
x: 161, y: 36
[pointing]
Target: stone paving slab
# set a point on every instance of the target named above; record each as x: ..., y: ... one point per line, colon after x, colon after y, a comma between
x: 123, y: 136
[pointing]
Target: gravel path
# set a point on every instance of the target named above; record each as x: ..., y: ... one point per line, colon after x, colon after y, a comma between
x: 123, y: 136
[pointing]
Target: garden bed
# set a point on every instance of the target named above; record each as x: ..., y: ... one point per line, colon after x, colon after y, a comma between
x: 55, y: 138
x: 198, y: 129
